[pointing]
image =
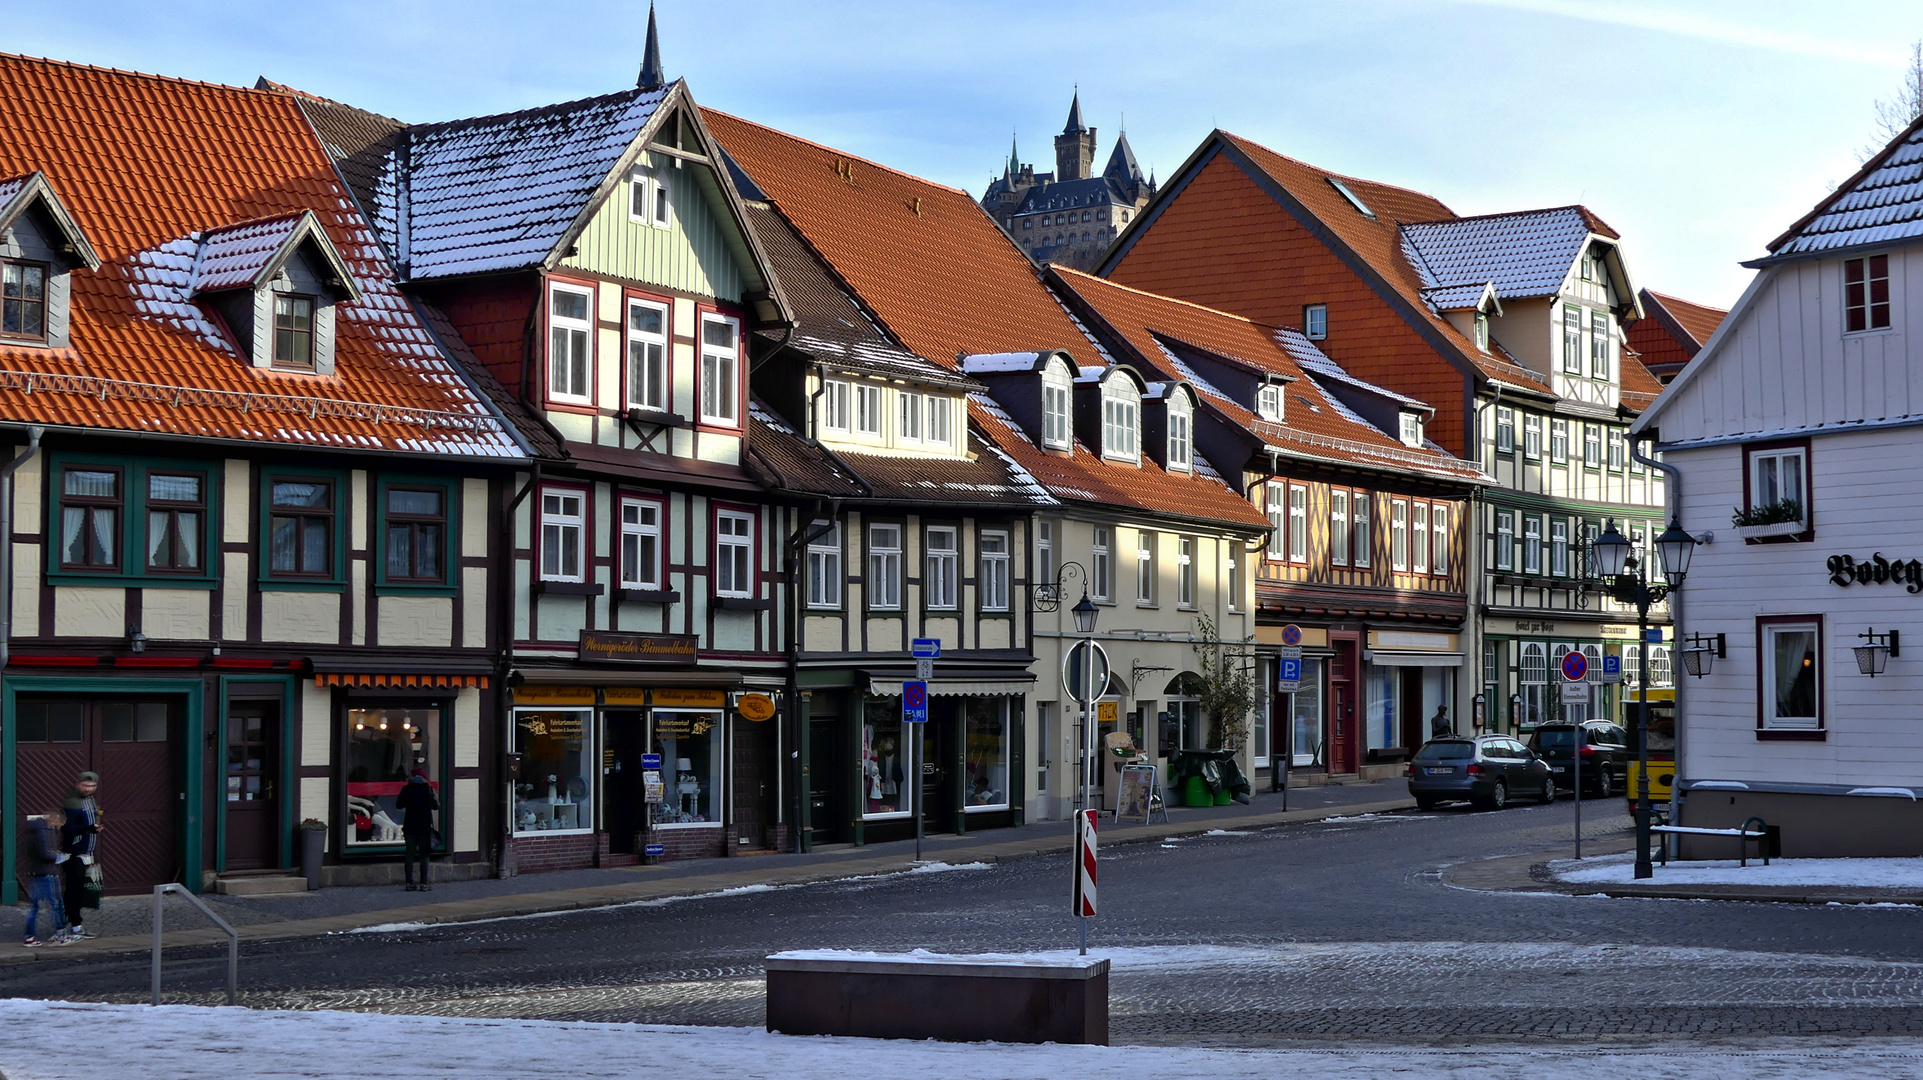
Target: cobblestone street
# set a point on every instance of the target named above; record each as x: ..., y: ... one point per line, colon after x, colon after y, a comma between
x: 1343, y: 929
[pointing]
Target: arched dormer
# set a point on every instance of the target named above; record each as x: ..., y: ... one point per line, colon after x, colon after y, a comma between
x: 1113, y: 403
x: 1168, y: 425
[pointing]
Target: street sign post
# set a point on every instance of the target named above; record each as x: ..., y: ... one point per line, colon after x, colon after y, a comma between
x: 1292, y: 635
x: 1575, y: 691
x: 1288, y: 680
x: 914, y: 714
x: 1288, y: 675
x: 924, y: 668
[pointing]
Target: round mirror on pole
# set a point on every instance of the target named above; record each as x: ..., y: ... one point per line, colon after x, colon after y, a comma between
x: 1676, y: 547
x: 1612, y: 552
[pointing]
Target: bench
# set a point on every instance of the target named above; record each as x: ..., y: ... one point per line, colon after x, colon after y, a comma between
x: 949, y: 998
x: 1744, y: 835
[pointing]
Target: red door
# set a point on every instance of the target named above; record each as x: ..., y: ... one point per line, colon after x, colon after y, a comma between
x: 253, y: 773
x: 132, y: 743
x: 1345, y: 737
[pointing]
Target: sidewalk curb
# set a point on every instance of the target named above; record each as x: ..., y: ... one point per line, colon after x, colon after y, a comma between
x: 605, y: 896
x: 1529, y: 873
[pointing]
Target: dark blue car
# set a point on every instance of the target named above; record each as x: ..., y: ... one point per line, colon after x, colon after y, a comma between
x: 1487, y: 770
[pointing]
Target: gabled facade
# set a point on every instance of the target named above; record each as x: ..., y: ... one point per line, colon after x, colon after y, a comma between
x: 595, y: 260
x: 1155, y: 547
x: 1792, y: 415
x: 1509, y: 325
x: 1671, y: 333
x: 252, y: 532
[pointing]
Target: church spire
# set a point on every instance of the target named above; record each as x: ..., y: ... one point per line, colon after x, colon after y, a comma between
x: 1014, y: 158
x: 1075, y: 125
x: 651, y: 77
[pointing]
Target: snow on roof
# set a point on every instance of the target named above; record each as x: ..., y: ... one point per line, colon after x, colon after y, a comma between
x: 1000, y: 363
x: 233, y: 257
x: 1457, y: 297
x: 1882, y: 203
x: 1525, y: 254
x: 498, y: 192
x: 1317, y: 363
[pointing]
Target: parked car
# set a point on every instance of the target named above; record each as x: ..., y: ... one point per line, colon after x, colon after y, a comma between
x: 1605, y: 755
x: 1486, y: 770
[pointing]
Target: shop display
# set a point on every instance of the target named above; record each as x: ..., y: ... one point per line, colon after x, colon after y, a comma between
x: 986, y: 765
x: 384, y: 746
x: 884, y: 772
x: 552, y: 793
x: 690, y: 741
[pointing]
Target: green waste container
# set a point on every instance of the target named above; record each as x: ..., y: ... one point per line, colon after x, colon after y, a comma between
x: 1195, y: 792
x: 1223, y: 798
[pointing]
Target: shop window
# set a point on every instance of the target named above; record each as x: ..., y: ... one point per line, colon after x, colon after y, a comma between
x: 301, y: 527
x: 1439, y: 530
x: 384, y: 747
x: 90, y: 519
x: 414, y: 522
x: 939, y: 588
x: 884, y: 567
x: 1533, y: 682
x: 641, y: 544
x: 1306, y: 714
x: 1102, y: 569
x: 720, y: 370
x: 1791, y: 665
x: 824, y: 565
x: 886, y: 790
x: 1298, y: 523
x: 1185, y: 572
x: 994, y: 575
x: 985, y: 753
x: 692, y: 753
x: 647, y: 355
x: 570, y: 337
x: 1363, y: 552
x: 1866, y: 294
x: 1419, y: 537
x: 734, y: 553
x: 554, y: 791
x: 1339, y: 527
x: 564, y: 527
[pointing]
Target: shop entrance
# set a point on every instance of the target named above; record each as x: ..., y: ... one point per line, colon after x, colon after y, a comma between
x: 827, y: 780
x: 626, y: 808
x: 134, y: 744
x: 940, y: 750
x: 1344, y: 734
x: 253, y: 795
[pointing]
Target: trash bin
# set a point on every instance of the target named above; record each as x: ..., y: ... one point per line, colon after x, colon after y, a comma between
x: 1195, y: 792
x: 1221, y: 777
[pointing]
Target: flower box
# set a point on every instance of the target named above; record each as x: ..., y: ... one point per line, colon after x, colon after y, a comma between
x: 1780, y: 528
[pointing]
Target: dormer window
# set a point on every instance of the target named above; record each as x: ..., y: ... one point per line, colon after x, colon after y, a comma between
x: 1412, y: 429
x: 1482, y: 331
x: 1181, y: 439
x: 1121, y: 419
x: 1055, y: 394
x: 278, y: 283
x: 1315, y: 321
x: 40, y: 246
x: 1268, y: 402
x: 938, y: 414
x: 23, y: 299
x: 294, y: 332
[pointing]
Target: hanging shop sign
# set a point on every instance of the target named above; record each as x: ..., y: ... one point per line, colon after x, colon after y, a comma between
x: 1845, y: 571
x: 755, y: 707
x: 625, y: 648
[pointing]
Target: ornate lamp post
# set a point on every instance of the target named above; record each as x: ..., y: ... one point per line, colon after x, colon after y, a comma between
x: 1629, y: 583
x: 1085, y: 613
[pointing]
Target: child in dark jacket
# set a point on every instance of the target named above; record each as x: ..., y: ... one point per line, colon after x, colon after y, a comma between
x: 43, y: 878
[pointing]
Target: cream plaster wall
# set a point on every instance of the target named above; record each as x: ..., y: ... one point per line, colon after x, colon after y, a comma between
x: 313, y: 618
x: 416, y: 621
x: 80, y: 611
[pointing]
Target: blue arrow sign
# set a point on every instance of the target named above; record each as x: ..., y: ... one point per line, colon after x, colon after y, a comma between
x: 914, y: 703
x: 927, y: 648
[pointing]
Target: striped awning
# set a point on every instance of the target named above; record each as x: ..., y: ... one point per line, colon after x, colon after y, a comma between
x: 400, y: 679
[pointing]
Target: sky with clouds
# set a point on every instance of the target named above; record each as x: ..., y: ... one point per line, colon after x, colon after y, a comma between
x: 1698, y: 130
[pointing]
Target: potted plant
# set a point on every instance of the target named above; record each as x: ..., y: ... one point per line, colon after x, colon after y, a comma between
x: 313, y: 843
x: 1783, y: 517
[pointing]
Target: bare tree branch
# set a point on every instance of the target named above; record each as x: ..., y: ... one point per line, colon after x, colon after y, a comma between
x: 1894, y: 115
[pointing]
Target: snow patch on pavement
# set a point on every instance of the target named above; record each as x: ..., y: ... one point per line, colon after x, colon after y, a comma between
x: 1835, y: 873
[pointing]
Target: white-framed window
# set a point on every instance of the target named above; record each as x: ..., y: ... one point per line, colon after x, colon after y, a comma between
x: 884, y: 567
x: 1439, y: 529
x: 938, y: 413
x: 1298, y: 523
x: 1045, y: 552
x: 564, y: 527
x: 1339, y: 526
x: 570, y: 343
x: 640, y: 544
x: 1792, y: 666
x: 1599, y: 350
x: 1616, y: 454
x: 1482, y: 331
x: 1572, y: 339
x: 941, y: 585
x: 1531, y: 544
x: 1559, y: 441
x: 1419, y: 537
x: 1632, y: 667
x: 1532, y: 436
x: 1559, y: 547
x: 648, y: 201
x: 1121, y: 419
x: 1505, y: 539
x: 1181, y: 436
x: 647, y: 355
x: 908, y: 417
x: 1268, y: 402
x: 1398, y: 535
x: 1591, y: 446
x: 1505, y: 430
x: 1533, y: 681
x: 734, y: 549
x: 824, y: 565
x: 1315, y: 321
x: 1233, y: 550
x: 1411, y: 429
x: 721, y: 370
x: 994, y: 578
x: 868, y: 409
x: 1661, y: 672
x: 1144, y: 567
x: 1364, y: 552
x: 1185, y: 571
x: 1055, y: 395
x: 1866, y: 294
x: 1778, y: 476
x: 835, y: 405
x: 1277, y: 507
x: 1101, y: 571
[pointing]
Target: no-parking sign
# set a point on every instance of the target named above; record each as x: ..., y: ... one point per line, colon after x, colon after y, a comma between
x: 914, y: 703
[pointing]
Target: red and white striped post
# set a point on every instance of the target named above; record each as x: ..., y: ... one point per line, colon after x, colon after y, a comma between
x: 1085, y: 871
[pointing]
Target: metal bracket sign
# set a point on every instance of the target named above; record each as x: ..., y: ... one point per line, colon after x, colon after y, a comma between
x: 914, y: 703
x: 927, y: 648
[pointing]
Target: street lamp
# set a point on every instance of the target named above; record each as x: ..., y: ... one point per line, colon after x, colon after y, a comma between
x: 1085, y: 613
x: 1873, y: 657
x: 1612, y: 559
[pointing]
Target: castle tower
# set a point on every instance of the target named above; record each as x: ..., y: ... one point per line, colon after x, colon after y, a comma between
x: 1075, y: 146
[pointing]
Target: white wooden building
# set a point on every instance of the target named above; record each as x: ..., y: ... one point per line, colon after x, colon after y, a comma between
x: 1798, y: 416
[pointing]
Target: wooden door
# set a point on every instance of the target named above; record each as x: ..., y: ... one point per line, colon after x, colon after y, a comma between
x: 1345, y: 736
x: 134, y: 745
x: 253, y: 785
x: 829, y: 761
x: 624, y: 797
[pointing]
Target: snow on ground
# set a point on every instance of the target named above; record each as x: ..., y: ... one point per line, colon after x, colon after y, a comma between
x: 1854, y: 873
x: 70, y: 1041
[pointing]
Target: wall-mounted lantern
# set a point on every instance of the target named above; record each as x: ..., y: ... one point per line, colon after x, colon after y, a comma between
x: 1874, y: 656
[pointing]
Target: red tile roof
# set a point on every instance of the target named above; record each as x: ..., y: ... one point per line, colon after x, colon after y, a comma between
x: 1671, y: 333
x: 146, y: 164
x: 1699, y: 321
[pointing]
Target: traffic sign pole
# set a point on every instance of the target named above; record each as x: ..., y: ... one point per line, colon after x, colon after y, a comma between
x: 914, y: 717
x: 1575, y: 669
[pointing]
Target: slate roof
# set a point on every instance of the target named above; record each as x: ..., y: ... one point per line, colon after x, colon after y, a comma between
x: 1095, y: 190
x: 1525, y: 254
x: 1881, y: 204
x: 1316, y: 423
x: 780, y: 459
x: 145, y: 357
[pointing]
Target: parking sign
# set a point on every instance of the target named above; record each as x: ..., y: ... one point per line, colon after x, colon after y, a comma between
x: 1288, y: 675
x: 914, y: 703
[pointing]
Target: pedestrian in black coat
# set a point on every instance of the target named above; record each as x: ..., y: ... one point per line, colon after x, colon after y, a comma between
x: 417, y: 804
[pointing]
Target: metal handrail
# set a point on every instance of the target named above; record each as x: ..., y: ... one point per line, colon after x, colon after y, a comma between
x: 233, y: 940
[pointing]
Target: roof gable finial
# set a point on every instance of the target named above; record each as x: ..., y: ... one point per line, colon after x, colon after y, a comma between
x: 651, y: 76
